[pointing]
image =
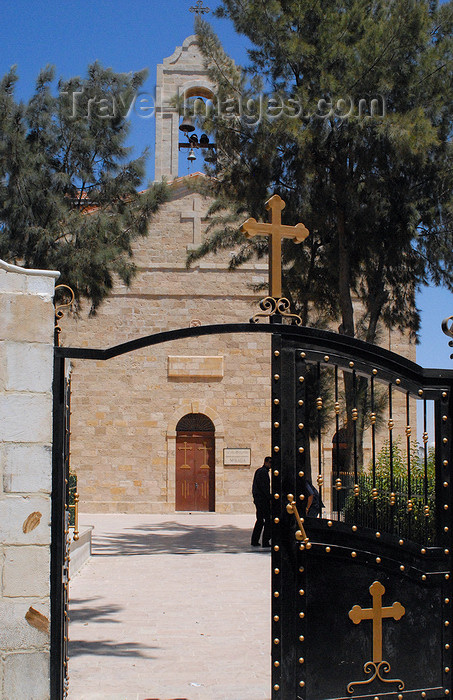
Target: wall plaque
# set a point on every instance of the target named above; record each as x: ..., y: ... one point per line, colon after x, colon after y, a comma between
x: 237, y: 456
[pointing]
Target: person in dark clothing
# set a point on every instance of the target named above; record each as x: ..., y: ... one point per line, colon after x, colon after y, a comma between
x: 261, y: 491
x: 314, y: 503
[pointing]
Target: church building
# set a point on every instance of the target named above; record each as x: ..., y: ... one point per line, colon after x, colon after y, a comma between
x: 181, y: 425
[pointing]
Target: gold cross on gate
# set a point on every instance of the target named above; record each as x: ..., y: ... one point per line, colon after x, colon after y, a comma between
x: 377, y: 613
x: 276, y: 230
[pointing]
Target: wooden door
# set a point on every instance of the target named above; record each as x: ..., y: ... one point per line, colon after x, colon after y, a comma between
x: 195, y: 471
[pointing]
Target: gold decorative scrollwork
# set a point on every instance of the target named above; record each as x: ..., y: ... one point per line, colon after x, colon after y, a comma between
x: 383, y: 666
x: 272, y: 307
x: 58, y: 309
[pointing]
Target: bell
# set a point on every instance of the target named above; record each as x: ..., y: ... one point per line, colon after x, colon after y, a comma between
x: 211, y: 157
x: 204, y: 140
x: 191, y: 155
x: 186, y: 125
x: 193, y: 139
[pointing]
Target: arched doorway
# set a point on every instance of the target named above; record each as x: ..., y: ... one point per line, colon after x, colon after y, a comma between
x: 195, y: 463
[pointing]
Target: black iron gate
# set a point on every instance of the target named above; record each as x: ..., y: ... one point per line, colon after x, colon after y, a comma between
x: 361, y: 595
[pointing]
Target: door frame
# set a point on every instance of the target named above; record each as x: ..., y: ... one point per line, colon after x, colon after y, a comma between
x: 212, y: 481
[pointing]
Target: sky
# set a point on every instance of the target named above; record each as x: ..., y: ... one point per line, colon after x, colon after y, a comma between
x: 132, y: 35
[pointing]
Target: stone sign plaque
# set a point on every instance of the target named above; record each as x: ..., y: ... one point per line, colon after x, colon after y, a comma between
x: 236, y: 456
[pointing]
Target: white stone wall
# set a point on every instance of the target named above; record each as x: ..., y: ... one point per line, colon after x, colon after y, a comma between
x: 26, y: 364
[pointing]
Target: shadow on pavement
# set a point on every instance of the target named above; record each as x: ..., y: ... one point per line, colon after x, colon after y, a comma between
x: 174, y: 538
x: 82, y: 612
x: 108, y: 648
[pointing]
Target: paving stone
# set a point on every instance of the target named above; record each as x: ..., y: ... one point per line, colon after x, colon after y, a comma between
x: 171, y: 606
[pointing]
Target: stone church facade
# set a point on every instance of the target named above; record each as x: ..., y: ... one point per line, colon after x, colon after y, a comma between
x: 181, y: 425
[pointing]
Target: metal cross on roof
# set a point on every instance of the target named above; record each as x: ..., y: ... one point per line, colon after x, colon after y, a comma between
x: 276, y: 230
x: 199, y: 9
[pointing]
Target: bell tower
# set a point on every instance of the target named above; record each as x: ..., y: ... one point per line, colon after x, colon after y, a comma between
x: 181, y: 74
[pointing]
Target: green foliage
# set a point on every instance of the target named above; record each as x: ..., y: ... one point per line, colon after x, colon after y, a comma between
x: 374, y: 188
x: 400, y: 462
x: 68, y: 192
x: 391, y: 476
x: 72, y: 488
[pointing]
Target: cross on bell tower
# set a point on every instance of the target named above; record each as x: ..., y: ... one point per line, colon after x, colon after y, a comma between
x: 199, y: 8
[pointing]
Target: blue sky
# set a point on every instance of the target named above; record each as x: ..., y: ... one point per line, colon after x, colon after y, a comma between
x: 129, y: 36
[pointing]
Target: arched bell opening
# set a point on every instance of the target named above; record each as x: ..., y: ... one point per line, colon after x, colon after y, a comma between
x: 195, y: 146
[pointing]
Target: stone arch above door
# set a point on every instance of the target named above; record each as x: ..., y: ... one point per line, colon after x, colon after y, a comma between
x: 195, y: 407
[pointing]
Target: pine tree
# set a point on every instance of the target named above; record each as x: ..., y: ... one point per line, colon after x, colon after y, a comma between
x: 68, y: 192
x: 346, y: 111
x: 374, y: 191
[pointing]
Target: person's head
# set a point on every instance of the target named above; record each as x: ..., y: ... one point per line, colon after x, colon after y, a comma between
x: 268, y: 462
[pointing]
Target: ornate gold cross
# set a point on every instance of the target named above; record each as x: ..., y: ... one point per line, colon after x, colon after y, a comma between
x: 377, y: 613
x: 276, y: 230
x: 374, y: 669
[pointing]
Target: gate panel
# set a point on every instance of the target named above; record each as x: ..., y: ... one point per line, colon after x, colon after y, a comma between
x: 361, y: 596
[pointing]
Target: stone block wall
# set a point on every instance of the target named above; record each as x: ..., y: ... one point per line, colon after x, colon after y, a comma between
x: 125, y: 410
x: 26, y: 365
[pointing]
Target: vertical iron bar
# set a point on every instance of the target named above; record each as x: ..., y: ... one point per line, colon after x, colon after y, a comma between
x: 410, y: 505
x: 373, y: 454
x: 392, y: 485
x: 336, y: 489
x: 57, y: 547
x: 303, y: 471
x: 319, y: 409
x: 354, y: 433
x: 425, y: 470
x: 276, y: 512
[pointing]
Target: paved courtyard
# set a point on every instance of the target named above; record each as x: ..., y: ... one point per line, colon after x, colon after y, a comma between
x: 171, y: 606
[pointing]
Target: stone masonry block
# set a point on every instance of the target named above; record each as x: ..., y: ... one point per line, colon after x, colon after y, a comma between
x: 3, y: 374
x: 15, y: 631
x: 26, y: 572
x: 26, y: 318
x: 29, y: 367
x: 40, y: 285
x: 27, y: 676
x: 195, y: 366
x: 27, y: 468
x: 25, y: 417
x: 15, y: 512
x: 12, y: 282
